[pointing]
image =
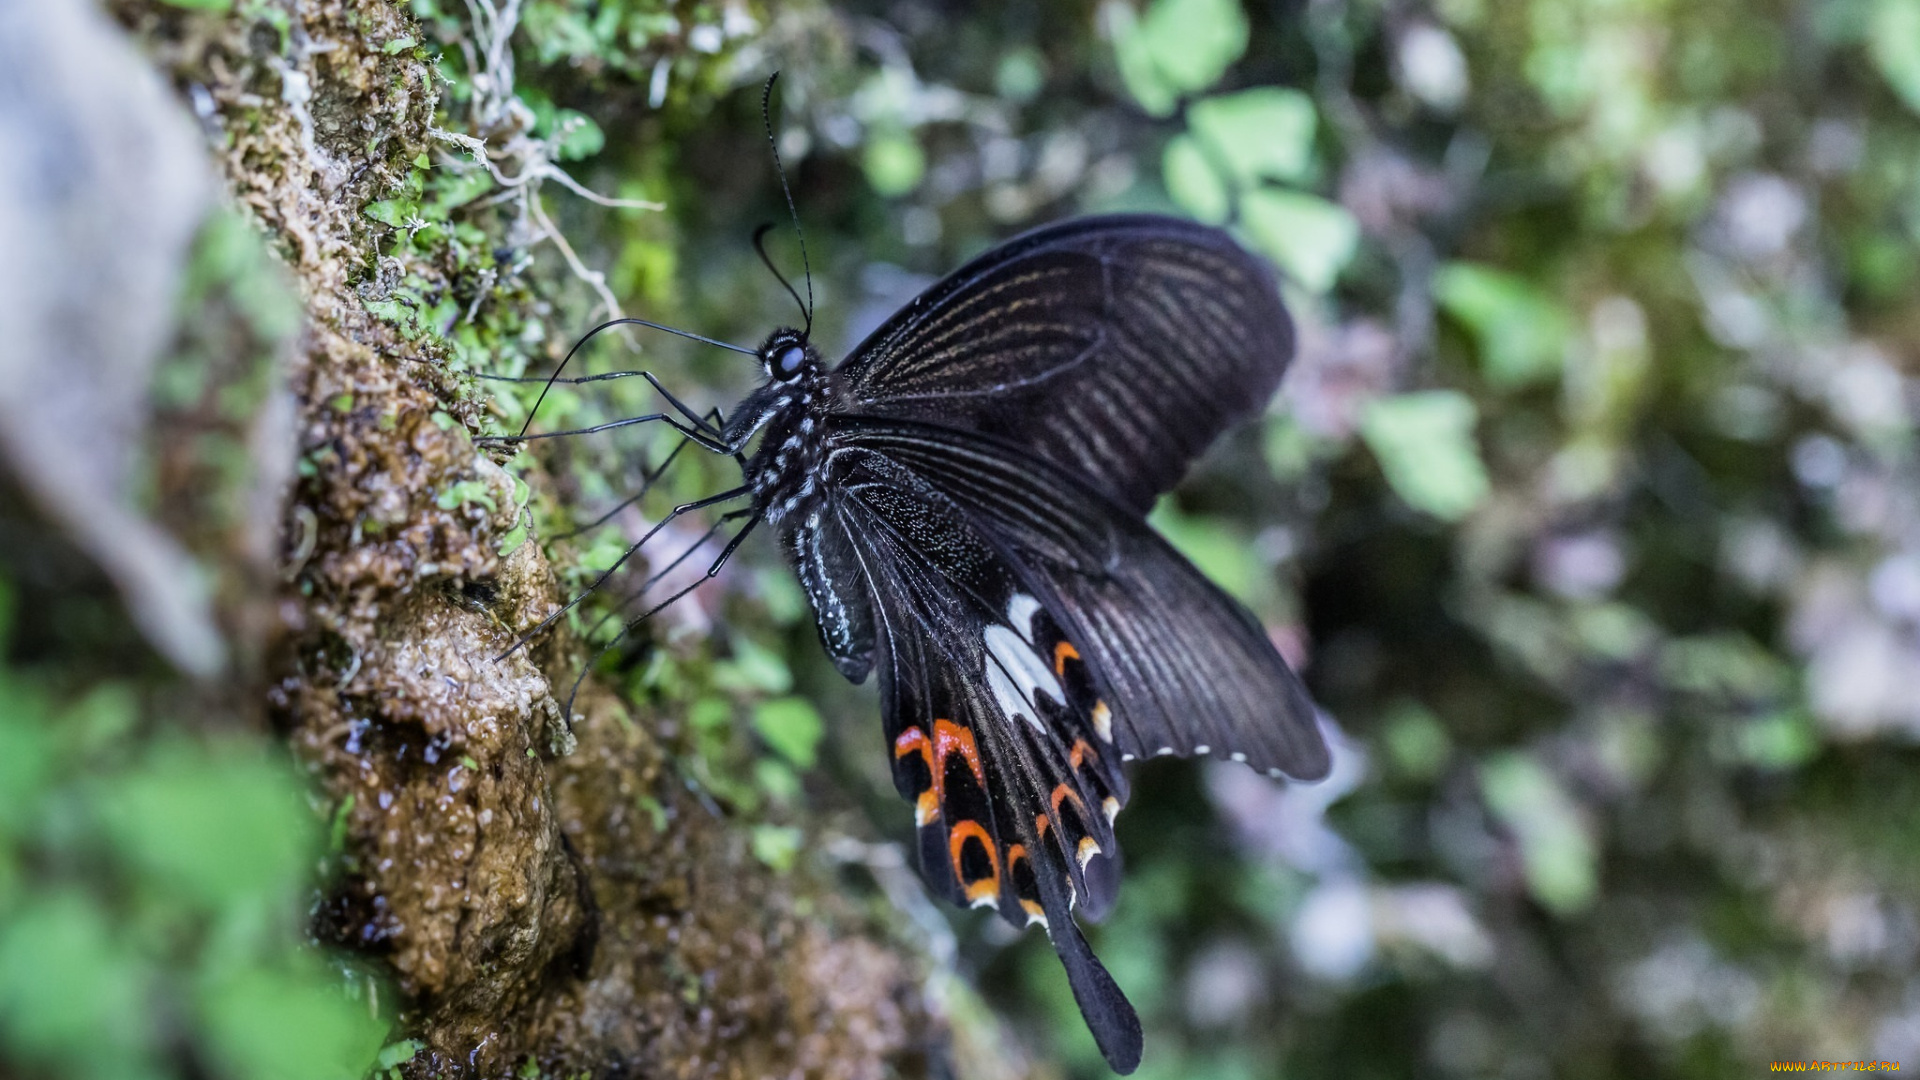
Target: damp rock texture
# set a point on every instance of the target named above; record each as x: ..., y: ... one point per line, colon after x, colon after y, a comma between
x: 540, y: 898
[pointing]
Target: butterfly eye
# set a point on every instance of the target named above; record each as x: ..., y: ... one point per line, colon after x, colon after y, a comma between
x: 788, y: 363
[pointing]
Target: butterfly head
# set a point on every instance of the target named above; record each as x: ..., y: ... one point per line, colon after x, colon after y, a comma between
x: 788, y: 356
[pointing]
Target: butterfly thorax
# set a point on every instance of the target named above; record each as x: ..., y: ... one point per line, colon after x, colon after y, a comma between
x: 789, y: 412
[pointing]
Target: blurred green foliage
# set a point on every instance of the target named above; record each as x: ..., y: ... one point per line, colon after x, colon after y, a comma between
x: 152, y: 892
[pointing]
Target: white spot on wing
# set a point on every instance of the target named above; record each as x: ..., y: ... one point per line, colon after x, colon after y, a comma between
x: 1111, y: 807
x: 1237, y: 756
x: 1015, y: 672
x: 1103, y: 721
x: 1203, y: 748
x: 1020, y: 612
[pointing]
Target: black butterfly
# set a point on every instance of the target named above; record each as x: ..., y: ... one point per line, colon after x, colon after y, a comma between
x: 964, y: 499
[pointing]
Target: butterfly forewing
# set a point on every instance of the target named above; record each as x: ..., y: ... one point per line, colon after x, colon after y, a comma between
x: 1116, y: 348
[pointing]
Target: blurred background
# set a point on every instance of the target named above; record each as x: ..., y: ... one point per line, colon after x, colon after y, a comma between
x: 1589, y: 509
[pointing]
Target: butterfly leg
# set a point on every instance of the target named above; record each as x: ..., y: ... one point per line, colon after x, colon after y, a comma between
x: 647, y: 480
x: 713, y: 571
x: 654, y: 578
x: 683, y: 508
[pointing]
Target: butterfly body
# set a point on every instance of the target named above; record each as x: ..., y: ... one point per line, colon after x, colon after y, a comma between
x: 964, y: 498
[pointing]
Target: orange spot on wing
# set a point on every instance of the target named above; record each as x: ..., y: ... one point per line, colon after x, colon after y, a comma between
x: 1040, y: 824
x: 1081, y: 753
x: 985, y: 888
x: 1062, y: 653
x: 949, y: 737
x: 926, y: 806
x: 1063, y: 792
x: 913, y: 740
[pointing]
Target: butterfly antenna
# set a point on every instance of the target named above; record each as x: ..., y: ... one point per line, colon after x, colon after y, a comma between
x: 759, y: 245
x: 766, y: 118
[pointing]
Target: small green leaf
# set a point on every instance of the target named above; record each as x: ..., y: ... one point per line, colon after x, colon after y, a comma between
x: 394, y: 212
x: 26, y: 756
x: 511, y: 540
x: 1780, y: 740
x: 1188, y: 43
x: 1424, y: 443
x: 753, y: 669
x: 1555, y: 850
x: 1521, y: 332
x: 776, y: 845
x: 289, y: 1025
x: 894, y: 162
x: 467, y: 492
x: 578, y: 136
x: 656, y: 813
x: 69, y: 994
x: 1894, y: 43
x: 1261, y: 134
x: 1021, y: 75
x: 1193, y: 184
x: 1133, y: 54
x: 1309, y: 237
x: 337, y: 827
x: 778, y: 780
x: 399, y: 1053
x: 398, y: 45
x: 1416, y: 741
x: 217, y: 830
x: 792, y: 727
x: 1226, y: 558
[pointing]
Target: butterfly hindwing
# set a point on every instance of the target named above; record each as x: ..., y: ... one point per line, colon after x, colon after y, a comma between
x: 988, y: 719
x: 1183, y: 668
x: 1116, y: 348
